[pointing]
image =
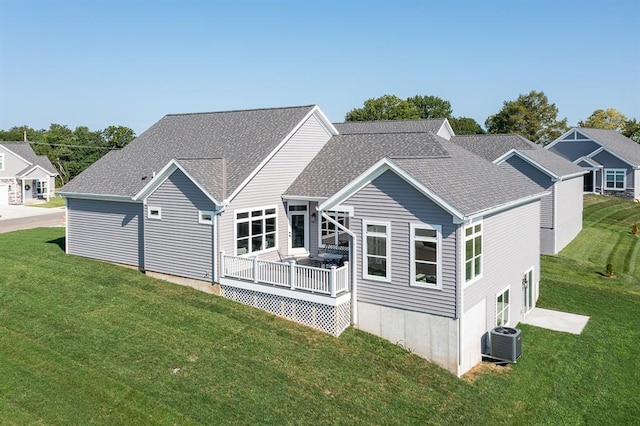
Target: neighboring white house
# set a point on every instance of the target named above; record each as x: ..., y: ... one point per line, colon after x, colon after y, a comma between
x: 386, y: 226
x: 24, y: 176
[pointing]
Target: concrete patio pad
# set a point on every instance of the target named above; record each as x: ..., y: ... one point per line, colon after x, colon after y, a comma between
x: 555, y: 320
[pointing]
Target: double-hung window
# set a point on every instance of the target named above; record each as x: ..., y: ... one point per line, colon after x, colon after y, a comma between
x: 332, y: 234
x: 255, y: 230
x: 425, y: 255
x: 472, y: 251
x: 502, y: 308
x: 615, y: 179
x: 376, y: 249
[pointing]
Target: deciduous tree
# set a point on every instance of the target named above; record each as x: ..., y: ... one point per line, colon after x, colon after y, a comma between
x: 609, y: 118
x: 530, y: 115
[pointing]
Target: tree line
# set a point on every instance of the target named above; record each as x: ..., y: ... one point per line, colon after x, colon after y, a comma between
x: 70, y: 151
x: 530, y: 115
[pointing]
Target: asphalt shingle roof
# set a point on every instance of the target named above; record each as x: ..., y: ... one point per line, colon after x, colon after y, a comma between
x: 243, y: 138
x: 492, y: 147
x: 24, y: 150
x: 390, y: 126
x: 616, y: 143
x: 208, y: 172
x: 462, y: 179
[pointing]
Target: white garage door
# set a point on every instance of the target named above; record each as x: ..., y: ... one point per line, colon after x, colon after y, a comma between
x: 4, y: 195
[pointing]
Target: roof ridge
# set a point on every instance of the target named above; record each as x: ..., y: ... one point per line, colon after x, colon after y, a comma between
x: 238, y: 110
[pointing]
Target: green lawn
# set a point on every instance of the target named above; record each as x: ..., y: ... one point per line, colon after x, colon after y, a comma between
x: 56, y: 201
x: 89, y: 342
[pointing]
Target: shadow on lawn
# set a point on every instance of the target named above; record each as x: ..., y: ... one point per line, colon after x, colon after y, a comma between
x: 60, y: 242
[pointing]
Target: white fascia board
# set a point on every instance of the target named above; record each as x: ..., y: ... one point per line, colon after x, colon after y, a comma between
x: 314, y: 111
x: 101, y: 197
x: 374, y: 172
x: 559, y: 139
x: 326, y: 123
x: 506, y: 206
x: 522, y: 156
x: 573, y: 175
x: 29, y: 163
x: 163, y: 175
x: 302, y: 198
x: 36, y: 166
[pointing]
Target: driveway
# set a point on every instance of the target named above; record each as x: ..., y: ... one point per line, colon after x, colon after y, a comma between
x: 14, y: 218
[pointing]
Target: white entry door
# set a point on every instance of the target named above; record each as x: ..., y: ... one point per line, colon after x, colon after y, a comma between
x: 298, y: 229
x: 4, y: 195
x: 528, y: 292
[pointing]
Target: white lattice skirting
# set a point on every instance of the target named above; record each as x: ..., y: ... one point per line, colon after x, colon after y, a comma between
x: 330, y: 319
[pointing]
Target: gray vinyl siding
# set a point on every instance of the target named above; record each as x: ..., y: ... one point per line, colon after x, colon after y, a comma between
x: 177, y: 244
x: 569, y: 199
x: 104, y: 230
x: 511, y: 245
x: 612, y: 162
x: 542, y: 179
x: 573, y: 150
x: 267, y: 187
x: 12, y: 164
x: 391, y: 199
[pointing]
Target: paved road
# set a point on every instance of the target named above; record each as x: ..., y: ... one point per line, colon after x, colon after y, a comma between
x: 15, y: 218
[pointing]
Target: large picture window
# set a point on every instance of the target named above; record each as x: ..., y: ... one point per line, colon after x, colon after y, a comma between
x: 472, y: 251
x: 255, y: 230
x: 425, y: 255
x: 330, y: 233
x: 502, y: 308
x: 615, y: 179
x: 376, y: 250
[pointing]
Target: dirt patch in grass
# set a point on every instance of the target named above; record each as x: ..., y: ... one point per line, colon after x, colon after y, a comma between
x: 486, y: 368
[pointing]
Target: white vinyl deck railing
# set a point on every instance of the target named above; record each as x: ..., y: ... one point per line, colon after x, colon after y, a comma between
x: 331, y: 281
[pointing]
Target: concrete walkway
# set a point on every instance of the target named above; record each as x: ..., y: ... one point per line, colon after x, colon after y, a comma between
x: 555, y: 320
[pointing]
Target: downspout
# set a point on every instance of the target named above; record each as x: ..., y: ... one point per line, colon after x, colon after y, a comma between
x: 216, y: 255
x: 352, y: 258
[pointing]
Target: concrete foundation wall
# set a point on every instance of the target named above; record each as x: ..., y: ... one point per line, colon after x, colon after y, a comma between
x: 431, y: 337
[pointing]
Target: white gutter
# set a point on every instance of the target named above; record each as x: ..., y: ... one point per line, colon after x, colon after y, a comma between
x: 352, y: 261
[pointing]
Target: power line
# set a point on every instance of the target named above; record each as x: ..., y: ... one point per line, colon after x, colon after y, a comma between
x: 75, y: 146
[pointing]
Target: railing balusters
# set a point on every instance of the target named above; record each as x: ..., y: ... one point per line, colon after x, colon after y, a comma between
x: 296, y: 277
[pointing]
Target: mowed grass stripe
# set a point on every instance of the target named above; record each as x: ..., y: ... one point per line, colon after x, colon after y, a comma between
x: 138, y: 347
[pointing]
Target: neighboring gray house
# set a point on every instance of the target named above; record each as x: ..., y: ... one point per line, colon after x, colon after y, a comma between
x: 612, y: 160
x: 24, y: 176
x: 561, y: 209
x: 435, y: 256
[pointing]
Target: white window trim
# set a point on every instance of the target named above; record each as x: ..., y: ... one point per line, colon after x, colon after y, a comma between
x: 346, y: 213
x: 616, y: 171
x: 235, y: 230
x: 464, y: 252
x: 412, y: 258
x: 204, y: 213
x: 152, y: 216
x: 387, y: 235
x: 508, y: 308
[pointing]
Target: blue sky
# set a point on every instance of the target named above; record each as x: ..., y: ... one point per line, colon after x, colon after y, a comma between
x: 99, y: 63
